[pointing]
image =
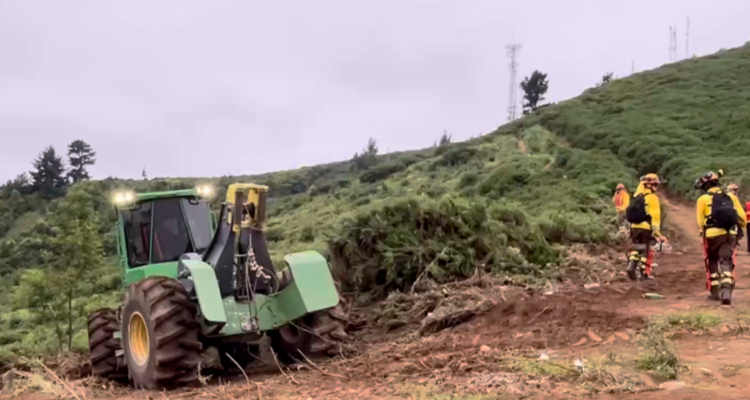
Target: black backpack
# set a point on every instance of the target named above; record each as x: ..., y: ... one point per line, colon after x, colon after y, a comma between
x: 723, y: 214
x: 636, y: 211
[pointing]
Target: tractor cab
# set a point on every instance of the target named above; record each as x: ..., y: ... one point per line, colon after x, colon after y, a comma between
x: 156, y: 229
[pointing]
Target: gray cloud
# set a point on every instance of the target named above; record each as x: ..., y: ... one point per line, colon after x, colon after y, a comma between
x: 169, y: 85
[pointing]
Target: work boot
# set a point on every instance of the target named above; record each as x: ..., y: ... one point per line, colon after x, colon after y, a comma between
x: 633, y: 260
x: 727, y: 286
x: 715, y: 293
x: 645, y: 276
x: 715, y: 288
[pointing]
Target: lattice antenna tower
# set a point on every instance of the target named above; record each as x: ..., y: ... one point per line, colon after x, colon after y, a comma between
x: 687, y: 39
x: 672, y: 43
x: 513, y: 49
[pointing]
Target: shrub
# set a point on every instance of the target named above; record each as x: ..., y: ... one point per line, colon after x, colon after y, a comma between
x: 505, y: 178
x: 387, y: 247
x: 571, y: 227
x: 307, y: 234
x: 468, y: 179
x: 456, y: 155
x: 381, y: 172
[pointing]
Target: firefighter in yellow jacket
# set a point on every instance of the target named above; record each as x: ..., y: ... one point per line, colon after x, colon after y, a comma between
x: 719, y: 217
x: 644, y: 215
x: 622, y: 201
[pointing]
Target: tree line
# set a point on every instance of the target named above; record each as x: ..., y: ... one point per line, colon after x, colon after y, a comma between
x: 50, y: 175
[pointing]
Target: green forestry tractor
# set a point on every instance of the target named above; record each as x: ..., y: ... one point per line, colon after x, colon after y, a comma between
x: 195, y: 281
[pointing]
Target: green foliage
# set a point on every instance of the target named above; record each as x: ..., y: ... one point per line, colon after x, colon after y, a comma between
x: 680, y: 120
x: 445, y: 139
x: 534, y: 89
x: 383, y: 171
x: 368, y: 156
x: 658, y: 354
x: 70, y: 263
x: 49, y: 174
x: 688, y: 320
x: 534, y: 367
x: 454, y: 156
x: 387, y: 247
x: 21, y: 185
x: 606, y: 78
x: 80, y: 156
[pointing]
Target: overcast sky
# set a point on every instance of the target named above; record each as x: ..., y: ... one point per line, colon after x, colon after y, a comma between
x: 173, y: 86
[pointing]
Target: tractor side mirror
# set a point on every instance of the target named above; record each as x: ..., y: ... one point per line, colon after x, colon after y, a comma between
x: 214, y: 222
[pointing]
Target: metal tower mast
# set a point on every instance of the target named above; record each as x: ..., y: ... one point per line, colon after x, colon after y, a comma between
x: 513, y: 49
x: 687, y: 39
x: 672, y: 43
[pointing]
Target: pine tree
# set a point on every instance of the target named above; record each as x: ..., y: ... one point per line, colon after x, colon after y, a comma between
x: 368, y: 156
x: 49, y: 174
x: 80, y: 155
x: 534, y: 88
x: 606, y: 78
x: 445, y: 139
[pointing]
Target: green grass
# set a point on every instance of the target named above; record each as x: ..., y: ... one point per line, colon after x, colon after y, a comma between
x: 658, y: 354
x: 693, y: 321
x: 533, y: 367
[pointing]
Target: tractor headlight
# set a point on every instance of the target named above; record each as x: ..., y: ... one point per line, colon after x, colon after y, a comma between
x: 206, y: 191
x: 123, y: 198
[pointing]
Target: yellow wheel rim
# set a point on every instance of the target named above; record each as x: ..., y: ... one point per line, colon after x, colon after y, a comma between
x: 138, y: 339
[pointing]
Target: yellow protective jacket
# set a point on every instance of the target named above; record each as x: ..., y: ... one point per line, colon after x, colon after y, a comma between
x: 703, y: 209
x: 621, y: 200
x: 653, y: 209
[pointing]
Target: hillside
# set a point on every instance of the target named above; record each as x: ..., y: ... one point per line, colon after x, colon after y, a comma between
x: 679, y: 120
x: 508, y: 202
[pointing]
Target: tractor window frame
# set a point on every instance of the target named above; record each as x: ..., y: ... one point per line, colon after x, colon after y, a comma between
x: 172, y: 254
x: 132, y: 259
x: 193, y: 230
x: 154, y: 209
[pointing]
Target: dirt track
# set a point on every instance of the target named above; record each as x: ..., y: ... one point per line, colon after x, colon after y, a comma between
x: 464, y: 359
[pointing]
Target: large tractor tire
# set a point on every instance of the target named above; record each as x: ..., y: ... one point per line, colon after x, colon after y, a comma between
x: 103, y: 346
x: 320, y: 334
x: 160, y: 334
